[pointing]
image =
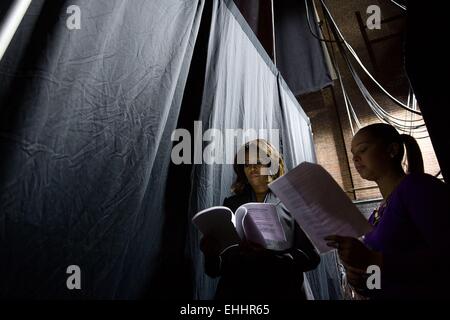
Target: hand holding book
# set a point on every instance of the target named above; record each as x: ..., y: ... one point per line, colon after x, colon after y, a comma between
x: 255, y: 226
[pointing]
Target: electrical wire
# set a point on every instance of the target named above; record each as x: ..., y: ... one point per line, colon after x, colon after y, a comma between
x: 308, y: 19
x: 399, y: 5
x: 376, y: 108
x: 347, y: 101
x: 415, y: 111
x: 384, y: 116
x: 358, y: 60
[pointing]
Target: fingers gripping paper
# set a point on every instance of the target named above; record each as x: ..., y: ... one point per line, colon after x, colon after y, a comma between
x: 319, y: 205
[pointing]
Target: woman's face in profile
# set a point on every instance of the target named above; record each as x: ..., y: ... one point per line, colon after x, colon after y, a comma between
x: 370, y: 157
x: 252, y: 170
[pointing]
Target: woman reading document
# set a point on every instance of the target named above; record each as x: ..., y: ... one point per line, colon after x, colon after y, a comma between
x: 249, y: 271
x: 409, y: 241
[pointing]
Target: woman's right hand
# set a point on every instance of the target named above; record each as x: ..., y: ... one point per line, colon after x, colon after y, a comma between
x: 254, y: 249
x: 210, y: 246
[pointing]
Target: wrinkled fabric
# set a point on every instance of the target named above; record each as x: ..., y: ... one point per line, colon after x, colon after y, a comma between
x: 300, y: 56
x: 86, y: 117
x: 243, y: 89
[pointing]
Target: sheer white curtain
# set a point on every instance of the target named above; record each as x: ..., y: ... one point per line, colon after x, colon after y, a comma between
x: 243, y: 90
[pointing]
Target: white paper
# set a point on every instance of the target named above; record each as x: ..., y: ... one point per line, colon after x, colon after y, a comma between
x: 319, y: 205
x: 260, y: 223
x: 217, y: 222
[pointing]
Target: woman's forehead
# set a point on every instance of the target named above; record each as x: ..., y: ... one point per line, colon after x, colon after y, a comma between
x: 253, y: 155
x: 362, y: 138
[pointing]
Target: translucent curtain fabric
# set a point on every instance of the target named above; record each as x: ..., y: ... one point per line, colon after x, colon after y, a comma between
x: 86, y: 119
x: 244, y: 90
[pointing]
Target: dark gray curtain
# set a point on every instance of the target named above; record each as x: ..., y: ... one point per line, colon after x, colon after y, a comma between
x: 86, y: 117
x: 258, y: 14
x: 300, y: 56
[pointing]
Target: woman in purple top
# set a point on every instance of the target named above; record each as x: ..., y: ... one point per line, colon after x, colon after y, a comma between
x: 409, y: 241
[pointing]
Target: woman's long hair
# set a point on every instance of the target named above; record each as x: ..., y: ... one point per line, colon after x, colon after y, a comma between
x: 260, y: 145
x: 387, y: 134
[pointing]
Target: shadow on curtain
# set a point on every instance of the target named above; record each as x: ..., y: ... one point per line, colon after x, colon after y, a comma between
x: 86, y: 118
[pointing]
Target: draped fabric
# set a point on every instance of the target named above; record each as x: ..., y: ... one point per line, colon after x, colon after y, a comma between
x: 244, y: 90
x: 86, y: 118
x: 258, y: 14
x: 86, y: 123
x: 300, y: 56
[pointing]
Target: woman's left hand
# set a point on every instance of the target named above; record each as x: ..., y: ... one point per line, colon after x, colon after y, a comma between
x: 357, y: 278
x: 356, y: 257
x: 354, y: 253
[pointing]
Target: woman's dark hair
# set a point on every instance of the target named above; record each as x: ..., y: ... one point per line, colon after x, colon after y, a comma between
x: 241, y: 183
x: 387, y: 134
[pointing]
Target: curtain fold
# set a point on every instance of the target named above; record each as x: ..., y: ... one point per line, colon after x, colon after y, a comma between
x: 244, y: 90
x: 86, y: 119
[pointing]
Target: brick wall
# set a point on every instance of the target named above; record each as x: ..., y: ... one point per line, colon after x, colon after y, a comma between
x: 326, y: 109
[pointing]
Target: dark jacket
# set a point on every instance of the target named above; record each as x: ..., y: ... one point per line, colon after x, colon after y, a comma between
x: 271, y: 275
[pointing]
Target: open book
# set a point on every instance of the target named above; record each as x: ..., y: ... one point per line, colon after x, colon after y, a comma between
x: 319, y: 205
x: 255, y: 222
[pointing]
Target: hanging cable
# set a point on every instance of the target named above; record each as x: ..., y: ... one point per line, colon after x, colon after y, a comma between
x: 376, y: 108
x: 410, y: 114
x: 273, y: 34
x: 382, y: 115
x: 347, y: 101
x: 370, y: 98
x: 379, y: 112
x: 355, y: 117
x: 358, y: 60
x: 333, y: 41
x: 399, y: 5
x: 308, y: 19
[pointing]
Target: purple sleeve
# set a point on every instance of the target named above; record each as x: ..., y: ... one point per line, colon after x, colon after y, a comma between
x: 426, y: 200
